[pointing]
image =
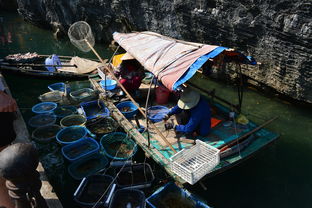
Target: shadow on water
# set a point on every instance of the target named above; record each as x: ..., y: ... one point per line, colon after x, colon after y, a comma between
x: 278, y: 176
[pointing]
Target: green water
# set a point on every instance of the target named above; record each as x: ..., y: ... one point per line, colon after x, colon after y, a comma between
x: 278, y: 176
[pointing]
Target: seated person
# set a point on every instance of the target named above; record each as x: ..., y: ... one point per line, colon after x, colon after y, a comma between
x: 193, y: 114
x: 131, y: 74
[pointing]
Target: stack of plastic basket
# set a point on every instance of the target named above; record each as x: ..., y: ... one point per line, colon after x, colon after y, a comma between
x: 194, y: 163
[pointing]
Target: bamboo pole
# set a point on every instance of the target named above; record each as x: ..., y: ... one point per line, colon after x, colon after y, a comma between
x: 226, y: 146
x: 49, y: 65
x: 130, y: 97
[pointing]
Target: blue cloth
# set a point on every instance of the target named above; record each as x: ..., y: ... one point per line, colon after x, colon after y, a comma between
x: 196, y: 65
x: 199, y: 121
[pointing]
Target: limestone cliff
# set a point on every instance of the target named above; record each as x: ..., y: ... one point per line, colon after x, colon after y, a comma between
x: 276, y: 32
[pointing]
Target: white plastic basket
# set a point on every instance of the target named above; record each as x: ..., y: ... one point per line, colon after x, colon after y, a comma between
x: 194, y: 163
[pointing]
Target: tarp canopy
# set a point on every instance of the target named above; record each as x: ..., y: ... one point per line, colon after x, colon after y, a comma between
x: 172, y: 61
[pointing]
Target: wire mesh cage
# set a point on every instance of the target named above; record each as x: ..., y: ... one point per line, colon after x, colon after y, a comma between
x: 194, y: 163
x: 79, y: 34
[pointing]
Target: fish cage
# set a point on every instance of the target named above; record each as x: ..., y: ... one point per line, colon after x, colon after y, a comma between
x: 87, y: 166
x: 80, y: 149
x: 195, y: 162
x: 95, y: 191
x: 136, y: 176
x: 45, y: 134
x: 63, y: 111
x: 128, y: 198
x: 72, y: 134
x: 82, y: 95
x: 42, y: 120
x: 118, y: 146
x: 170, y: 195
x: 94, y: 109
x: 102, y: 125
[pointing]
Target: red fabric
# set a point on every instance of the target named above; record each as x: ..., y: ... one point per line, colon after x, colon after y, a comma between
x: 214, y: 122
x: 131, y: 84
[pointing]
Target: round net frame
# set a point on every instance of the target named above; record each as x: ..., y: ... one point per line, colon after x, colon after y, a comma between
x: 79, y: 34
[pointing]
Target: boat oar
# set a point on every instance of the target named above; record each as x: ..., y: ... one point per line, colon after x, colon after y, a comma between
x: 238, y: 140
x: 20, y: 64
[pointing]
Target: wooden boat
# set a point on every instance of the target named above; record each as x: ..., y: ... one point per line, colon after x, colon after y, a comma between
x: 32, y: 64
x: 178, y: 63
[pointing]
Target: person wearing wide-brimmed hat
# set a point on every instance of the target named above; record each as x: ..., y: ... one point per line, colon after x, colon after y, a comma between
x: 197, y: 111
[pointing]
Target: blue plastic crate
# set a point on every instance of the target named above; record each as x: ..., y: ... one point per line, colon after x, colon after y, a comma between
x: 171, y: 193
x: 94, y: 109
x: 87, y: 166
x: 80, y: 149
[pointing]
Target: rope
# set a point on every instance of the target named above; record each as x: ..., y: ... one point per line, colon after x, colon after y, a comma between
x: 235, y: 128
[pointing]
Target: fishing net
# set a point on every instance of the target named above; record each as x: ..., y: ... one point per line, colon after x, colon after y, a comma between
x: 118, y: 146
x: 102, y: 125
x: 80, y: 34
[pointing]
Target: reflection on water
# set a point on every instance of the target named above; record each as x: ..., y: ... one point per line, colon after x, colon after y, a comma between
x: 278, y: 176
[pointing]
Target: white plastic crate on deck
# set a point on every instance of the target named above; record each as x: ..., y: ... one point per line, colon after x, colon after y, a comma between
x: 194, y: 163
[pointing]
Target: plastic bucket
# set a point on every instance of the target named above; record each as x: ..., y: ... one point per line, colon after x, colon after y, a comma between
x: 80, y: 149
x: 73, y: 120
x: 127, y: 108
x: 128, y: 198
x: 59, y: 86
x: 108, y: 84
x: 44, y: 107
x: 162, y: 95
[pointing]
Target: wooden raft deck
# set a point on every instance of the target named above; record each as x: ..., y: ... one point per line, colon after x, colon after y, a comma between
x: 218, y: 136
x: 136, y: 135
x: 22, y: 136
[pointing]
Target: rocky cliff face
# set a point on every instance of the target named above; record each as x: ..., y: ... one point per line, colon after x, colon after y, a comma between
x: 277, y: 33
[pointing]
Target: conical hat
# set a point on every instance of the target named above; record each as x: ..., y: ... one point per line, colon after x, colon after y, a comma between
x: 188, y: 99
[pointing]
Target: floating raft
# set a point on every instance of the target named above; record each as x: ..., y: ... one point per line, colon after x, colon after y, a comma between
x: 219, y: 135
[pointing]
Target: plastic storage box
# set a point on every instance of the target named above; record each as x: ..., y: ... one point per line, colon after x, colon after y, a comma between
x: 80, y: 149
x: 94, y: 109
x: 128, y: 198
x: 137, y: 176
x: 170, y: 195
x: 87, y: 166
x: 91, y: 190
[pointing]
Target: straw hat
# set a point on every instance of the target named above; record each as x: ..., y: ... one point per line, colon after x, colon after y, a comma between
x: 188, y: 99
x: 127, y: 56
